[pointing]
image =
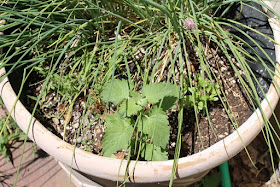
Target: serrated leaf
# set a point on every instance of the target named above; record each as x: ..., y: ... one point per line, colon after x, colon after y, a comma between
x: 157, y: 91
x: 153, y: 153
x: 129, y: 107
x: 117, y: 134
x: 156, y: 127
x: 117, y: 93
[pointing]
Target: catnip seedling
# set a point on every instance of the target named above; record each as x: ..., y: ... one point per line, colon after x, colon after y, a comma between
x: 140, y: 122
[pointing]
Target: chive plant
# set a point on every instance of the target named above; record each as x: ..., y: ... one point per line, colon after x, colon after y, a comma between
x: 133, y: 58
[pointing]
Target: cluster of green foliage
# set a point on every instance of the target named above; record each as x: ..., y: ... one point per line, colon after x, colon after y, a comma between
x: 200, y: 93
x: 140, y: 121
x: 87, y: 144
x: 149, y: 132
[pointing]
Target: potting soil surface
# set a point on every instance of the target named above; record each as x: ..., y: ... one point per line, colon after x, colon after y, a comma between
x: 195, y: 136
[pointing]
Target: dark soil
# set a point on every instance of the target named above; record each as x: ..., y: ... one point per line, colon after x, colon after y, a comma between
x: 220, y: 124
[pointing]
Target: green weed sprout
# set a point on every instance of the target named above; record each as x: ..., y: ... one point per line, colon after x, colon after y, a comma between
x: 202, y: 92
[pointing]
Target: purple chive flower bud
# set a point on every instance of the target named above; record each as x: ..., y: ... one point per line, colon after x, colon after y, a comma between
x: 189, y: 24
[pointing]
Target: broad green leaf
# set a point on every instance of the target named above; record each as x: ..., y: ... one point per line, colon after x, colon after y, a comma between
x: 153, y: 153
x: 157, y: 91
x: 138, y: 98
x: 129, y: 107
x: 156, y: 127
x: 117, y: 93
x: 168, y: 102
x: 143, y: 102
x: 117, y: 134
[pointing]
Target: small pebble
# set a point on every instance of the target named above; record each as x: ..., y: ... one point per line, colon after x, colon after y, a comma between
x: 89, y: 136
x: 98, y: 131
x: 76, y: 107
x: 99, y: 145
x: 223, y: 68
x: 86, y: 122
x: 75, y: 125
x: 142, y: 50
x: 83, y: 104
x: 79, y: 139
x: 84, y: 138
x: 221, y: 136
x: 62, y: 121
x: 55, y: 99
x: 55, y: 121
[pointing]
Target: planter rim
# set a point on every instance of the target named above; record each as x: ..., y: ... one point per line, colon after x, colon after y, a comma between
x: 144, y: 171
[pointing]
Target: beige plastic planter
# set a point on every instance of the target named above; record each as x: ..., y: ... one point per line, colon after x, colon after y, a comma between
x: 189, y: 168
